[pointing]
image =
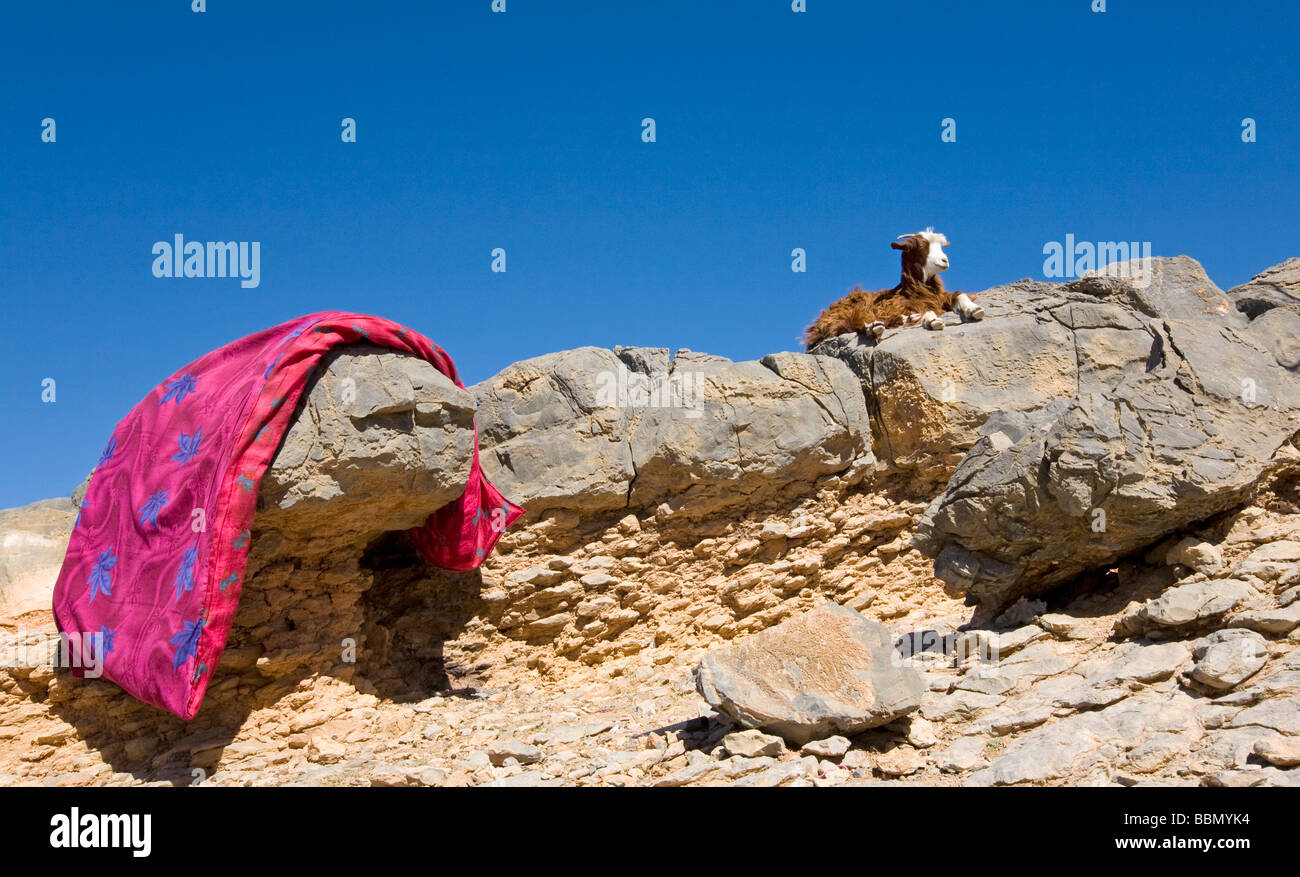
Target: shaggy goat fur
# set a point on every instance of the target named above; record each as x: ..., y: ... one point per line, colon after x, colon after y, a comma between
x: 908, y: 302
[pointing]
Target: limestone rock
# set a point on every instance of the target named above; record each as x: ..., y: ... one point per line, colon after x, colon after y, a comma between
x: 751, y: 743
x: 1197, y: 555
x: 1276, y: 287
x: 1188, y: 604
x: 381, y: 438
x: 1229, y: 657
x: 828, y: 747
x: 825, y: 671
x: 594, y: 429
x: 1190, y: 413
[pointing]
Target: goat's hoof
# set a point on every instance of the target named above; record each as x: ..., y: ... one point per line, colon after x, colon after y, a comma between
x: 935, y: 325
x: 974, y: 315
x: 877, y: 329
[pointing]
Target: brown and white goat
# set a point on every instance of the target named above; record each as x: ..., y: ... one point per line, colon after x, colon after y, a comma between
x: 919, y: 296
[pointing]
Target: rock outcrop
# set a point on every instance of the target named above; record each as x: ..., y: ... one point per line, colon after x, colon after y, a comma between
x: 1277, y: 287
x: 684, y: 509
x: 595, y: 430
x: 1179, y: 410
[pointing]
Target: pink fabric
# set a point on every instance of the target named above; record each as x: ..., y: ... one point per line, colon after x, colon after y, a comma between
x: 156, y: 560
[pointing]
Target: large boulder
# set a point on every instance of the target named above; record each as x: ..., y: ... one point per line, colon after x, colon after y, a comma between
x: 595, y: 430
x: 380, y: 439
x: 827, y: 671
x: 1180, y: 409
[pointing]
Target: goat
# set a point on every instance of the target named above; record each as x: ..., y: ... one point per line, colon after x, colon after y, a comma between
x: 918, y: 297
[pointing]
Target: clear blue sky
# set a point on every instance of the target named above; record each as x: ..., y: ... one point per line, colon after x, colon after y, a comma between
x: 522, y: 130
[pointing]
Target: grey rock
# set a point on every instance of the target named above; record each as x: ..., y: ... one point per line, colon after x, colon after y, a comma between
x: 827, y: 747
x: 1274, y: 563
x: 595, y: 430
x: 523, y: 753
x: 1063, y: 625
x: 1196, y: 554
x: 1276, y: 287
x: 1158, y: 431
x: 1090, y: 741
x: 828, y: 670
x: 965, y: 754
x: 959, y: 705
x: 1282, y: 714
x: 1227, y: 658
x: 751, y: 743
x: 1192, y: 603
x: 1279, y: 752
x: 380, y: 440
x: 1274, y: 621
x: 1136, y: 662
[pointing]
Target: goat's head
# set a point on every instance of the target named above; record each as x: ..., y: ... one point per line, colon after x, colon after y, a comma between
x: 923, y: 255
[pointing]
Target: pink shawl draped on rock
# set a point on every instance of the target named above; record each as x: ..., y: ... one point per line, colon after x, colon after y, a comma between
x: 155, y: 565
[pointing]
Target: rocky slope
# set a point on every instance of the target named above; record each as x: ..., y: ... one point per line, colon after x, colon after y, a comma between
x: 679, y: 505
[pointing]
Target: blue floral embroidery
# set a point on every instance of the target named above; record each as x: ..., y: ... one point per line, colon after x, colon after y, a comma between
x: 85, y: 503
x: 189, y: 446
x: 241, y: 540
x: 185, y: 575
x: 107, y: 636
x: 228, y: 581
x: 187, y: 642
x: 101, y: 580
x: 267, y: 374
x: 178, y: 389
x: 245, y: 482
x: 108, y: 451
x: 149, y: 511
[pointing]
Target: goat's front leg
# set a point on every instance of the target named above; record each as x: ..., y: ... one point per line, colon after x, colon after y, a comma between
x: 931, y: 321
x: 967, y: 309
x: 875, y: 329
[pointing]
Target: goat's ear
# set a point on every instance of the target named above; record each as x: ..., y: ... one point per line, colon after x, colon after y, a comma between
x: 899, y: 245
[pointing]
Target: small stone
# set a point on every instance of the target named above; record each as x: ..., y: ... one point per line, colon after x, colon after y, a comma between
x: 1195, y: 554
x: 1064, y: 626
x: 1279, y: 752
x: 920, y: 733
x: 522, y: 753
x: 752, y: 744
x: 1195, y: 603
x: 477, y: 760
x: 1228, y: 658
x: 828, y: 747
x: 965, y: 754
x: 432, y: 776
x: 324, y: 750
x: 900, y: 762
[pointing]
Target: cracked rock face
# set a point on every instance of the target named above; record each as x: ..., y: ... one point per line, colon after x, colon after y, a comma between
x: 1151, y: 405
x: 593, y: 430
